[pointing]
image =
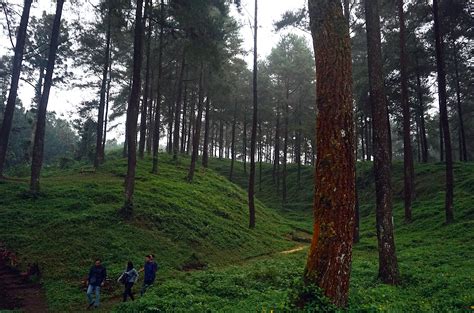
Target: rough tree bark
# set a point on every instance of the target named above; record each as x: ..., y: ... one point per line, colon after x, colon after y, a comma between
x: 444, y: 113
x: 38, y: 145
x: 388, y: 267
x: 132, y: 113
x: 330, y: 256
x: 16, y: 71
x: 407, y: 150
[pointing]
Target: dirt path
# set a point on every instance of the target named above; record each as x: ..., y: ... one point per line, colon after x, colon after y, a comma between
x: 294, y: 250
x: 16, y: 294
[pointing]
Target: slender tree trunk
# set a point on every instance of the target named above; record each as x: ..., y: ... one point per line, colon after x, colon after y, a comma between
x: 388, y: 267
x: 260, y: 156
x: 232, y: 148
x: 150, y: 116
x: 207, y: 121
x: 390, y: 143
x: 184, y: 126
x: 16, y: 71
x: 191, y: 122
x: 330, y: 256
x: 38, y: 146
x: 132, y: 113
x: 244, y: 143
x: 362, y: 141
x: 156, y: 130
x: 253, y: 137
x: 285, y: 146
x: 421, y: 110
x: 444, y: 114
x: 221, y: 139
x: 99, y: 156
x: 276, y: 153
x: 107, y: 101
x: 407, y: 150
x: 197, y: 131
x: 146, y: 91
x: 368, y: 129
x: 441, y: 142
x: 177, y: 114
x: 462, y: 136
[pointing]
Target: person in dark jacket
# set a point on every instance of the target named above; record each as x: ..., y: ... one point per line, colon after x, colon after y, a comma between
x: 128, y: 277
x: 150, y: 269
x: 96, y: 279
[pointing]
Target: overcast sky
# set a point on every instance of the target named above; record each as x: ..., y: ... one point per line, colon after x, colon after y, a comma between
x: 64, y: 100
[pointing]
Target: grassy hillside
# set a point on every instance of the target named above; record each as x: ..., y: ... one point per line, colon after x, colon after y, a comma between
x: 75, y: 220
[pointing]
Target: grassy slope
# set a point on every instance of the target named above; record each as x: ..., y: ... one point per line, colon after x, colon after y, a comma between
x: 436, y: 261
x: 75, y: 220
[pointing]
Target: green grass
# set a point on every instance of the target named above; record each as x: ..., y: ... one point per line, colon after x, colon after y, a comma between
x: 76, y: 219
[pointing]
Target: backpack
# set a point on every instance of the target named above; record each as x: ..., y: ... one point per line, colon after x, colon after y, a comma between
x: 123, y: 279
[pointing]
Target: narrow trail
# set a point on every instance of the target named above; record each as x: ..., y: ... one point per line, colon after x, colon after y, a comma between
x: 18, y: 294
x: 294, y: 250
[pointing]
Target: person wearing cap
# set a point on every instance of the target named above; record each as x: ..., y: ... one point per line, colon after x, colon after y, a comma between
x: 150, y: 269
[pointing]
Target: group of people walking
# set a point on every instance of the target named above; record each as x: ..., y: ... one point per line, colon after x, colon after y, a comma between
x: 98, y: 275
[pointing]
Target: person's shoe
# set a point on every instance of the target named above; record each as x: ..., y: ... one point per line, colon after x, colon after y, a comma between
x: 90, y: 306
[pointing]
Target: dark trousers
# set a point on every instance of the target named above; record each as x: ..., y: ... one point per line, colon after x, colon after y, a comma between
x: 128, y: 292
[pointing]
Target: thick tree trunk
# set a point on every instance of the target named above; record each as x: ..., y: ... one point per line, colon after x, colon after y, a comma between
x: 132, y: 113
x: 16, y: 71
x: 330, y: 256
x: 146, y: 91
x: 38, y: 146
x: 388, y: 267
x: 156, y: 129
x: 232, y: 148
x: 197, y: 131
x: 444, y: 114
x: 407, y: 150
x: 207, y: 121
x: 462, y: 136
x: 177, y: 114
x: 99, y: 150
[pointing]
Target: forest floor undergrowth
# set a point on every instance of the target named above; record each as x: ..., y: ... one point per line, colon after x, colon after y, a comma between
x: 204, y: 226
